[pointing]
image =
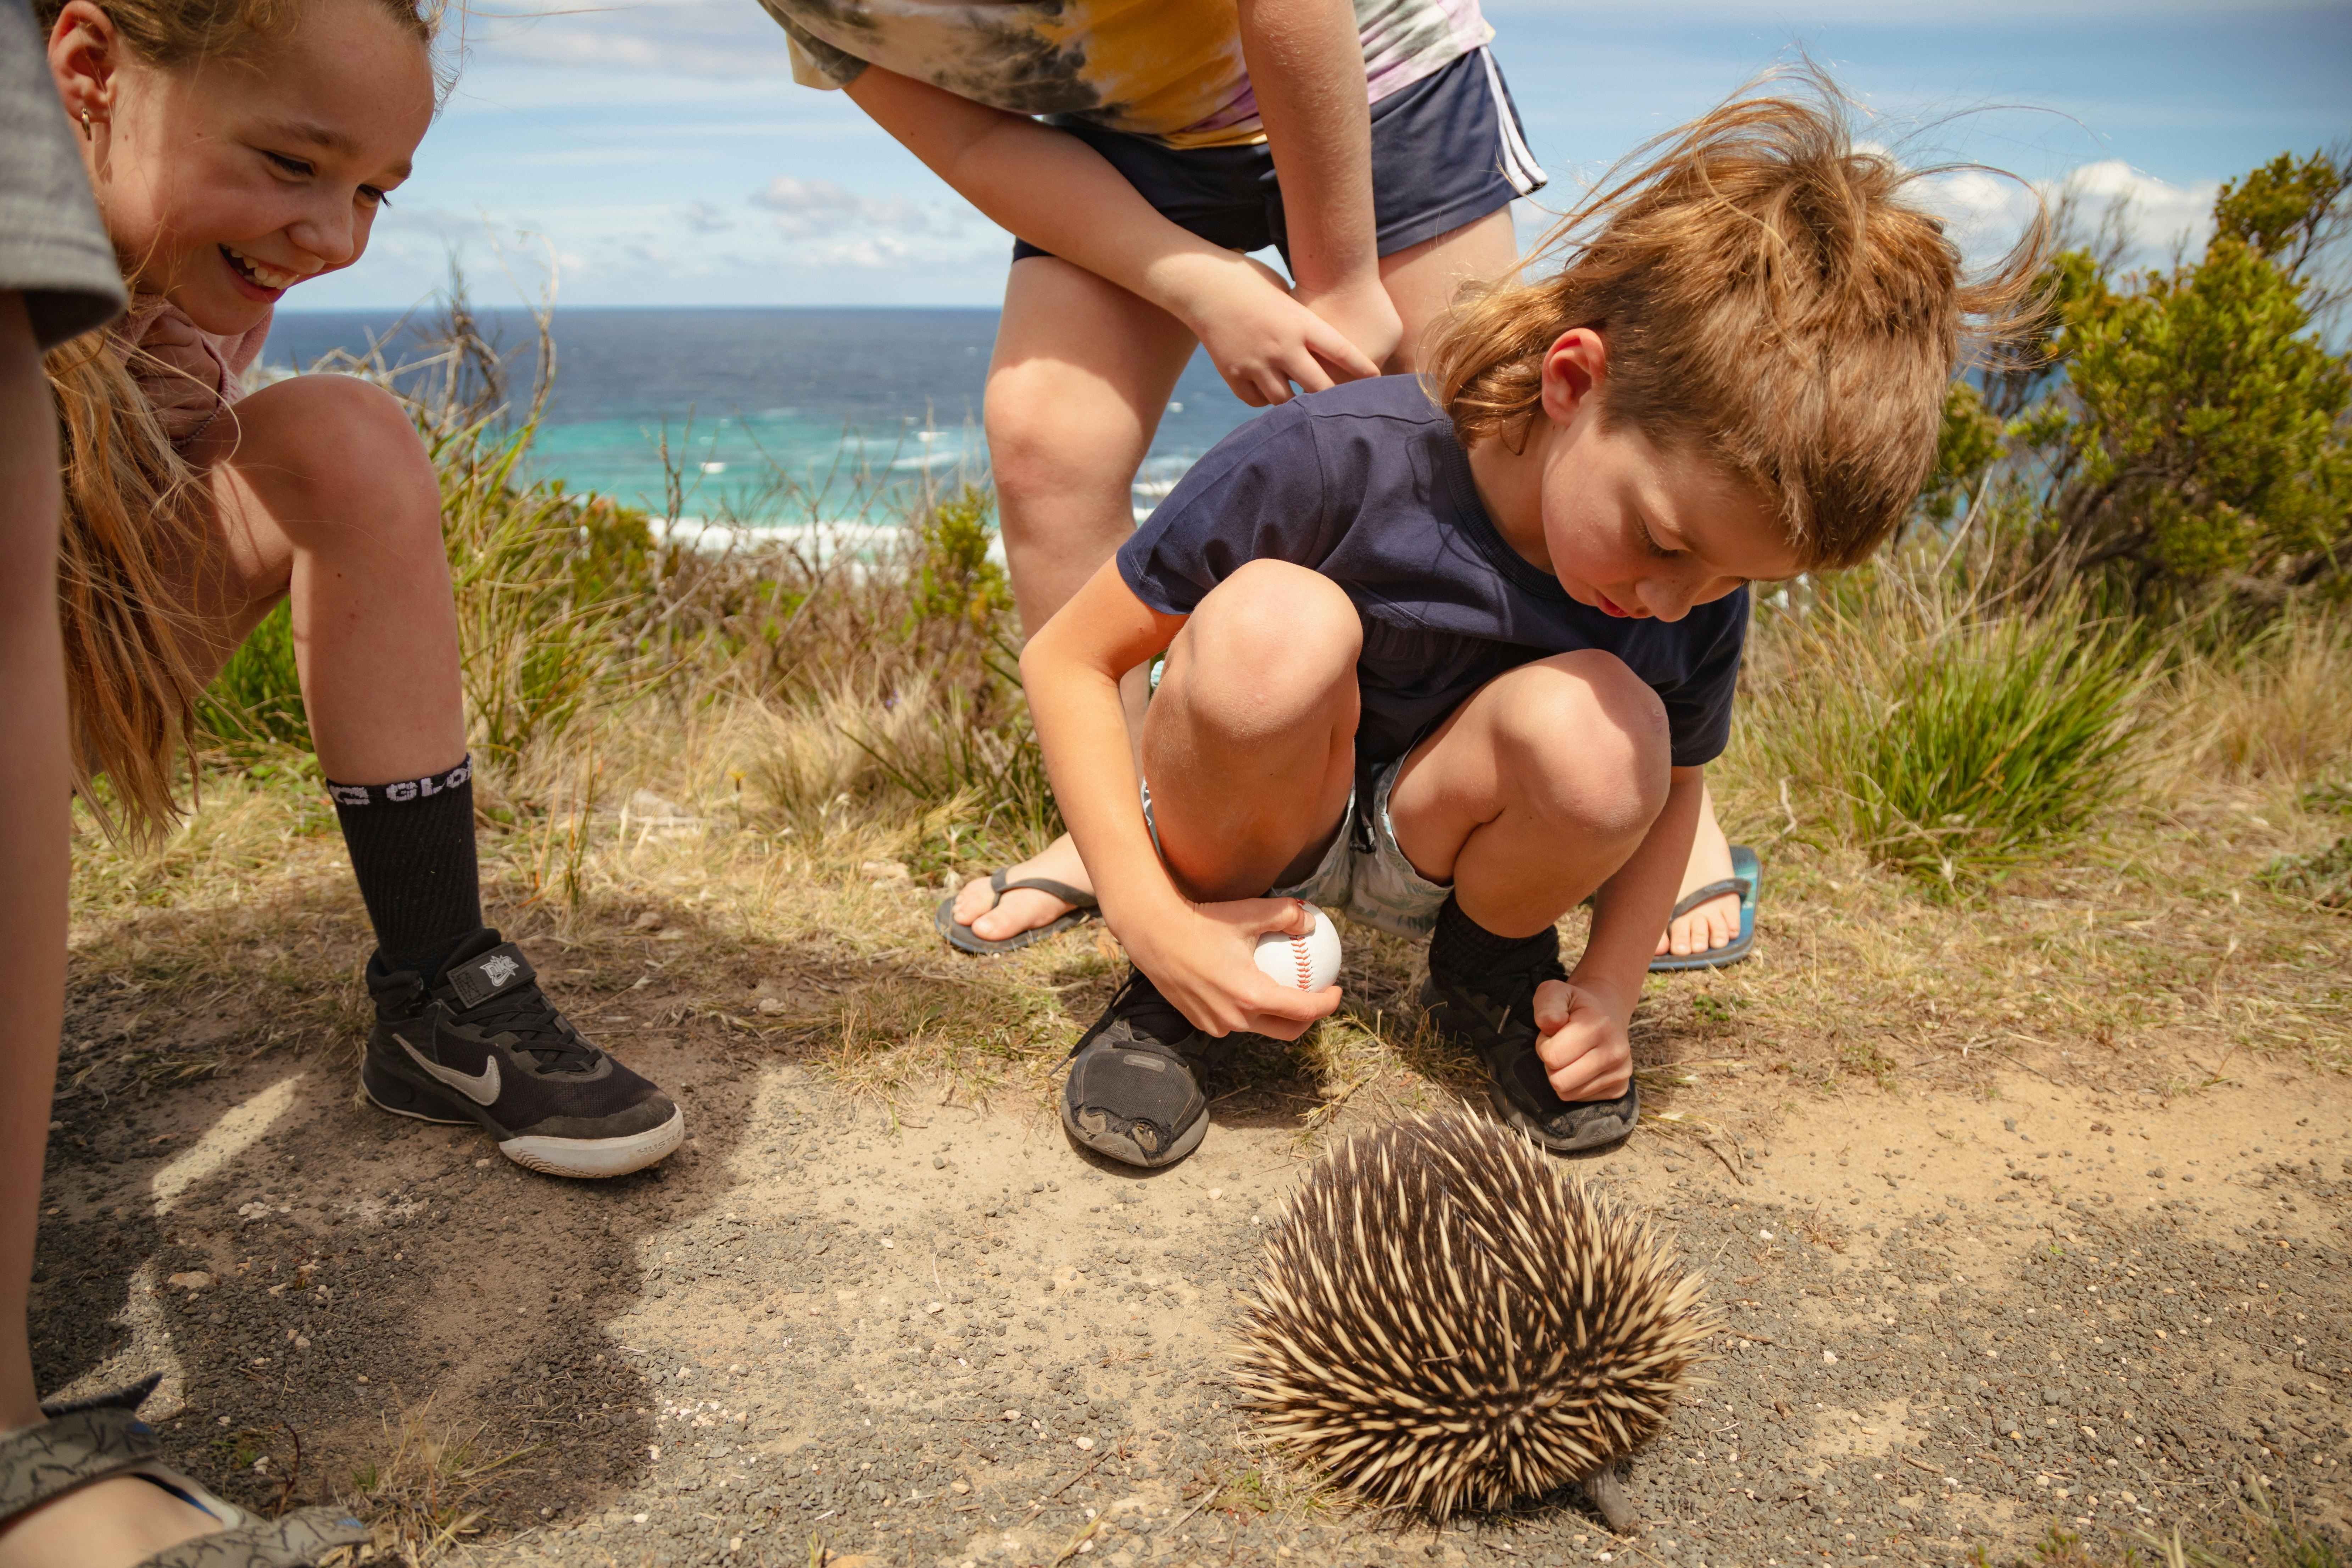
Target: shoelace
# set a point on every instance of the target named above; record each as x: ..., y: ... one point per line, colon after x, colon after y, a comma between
x: 526, y: 1013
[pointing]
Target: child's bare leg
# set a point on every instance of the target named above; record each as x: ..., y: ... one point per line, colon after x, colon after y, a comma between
x: 1534, y: 791
x: 1081, y: 374
x: 328, y: 496
x: 1422, y: 280
x: 121, y: 1519
x: 1249, y: 746
x: 1715, y: 923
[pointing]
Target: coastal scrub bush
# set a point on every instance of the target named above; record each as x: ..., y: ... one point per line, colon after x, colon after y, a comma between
x: 1943, y: 735
x: 2195, y: 438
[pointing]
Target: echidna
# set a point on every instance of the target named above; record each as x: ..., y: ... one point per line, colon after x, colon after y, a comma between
x: 1448, y: 1321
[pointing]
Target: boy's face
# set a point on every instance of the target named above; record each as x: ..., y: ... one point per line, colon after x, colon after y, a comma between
x: 1631, y: 529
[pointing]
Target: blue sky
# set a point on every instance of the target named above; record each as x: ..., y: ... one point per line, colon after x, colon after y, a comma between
x: 658, y: 152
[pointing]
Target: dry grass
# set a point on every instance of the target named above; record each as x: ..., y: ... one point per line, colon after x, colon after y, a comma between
x: 743, y: 778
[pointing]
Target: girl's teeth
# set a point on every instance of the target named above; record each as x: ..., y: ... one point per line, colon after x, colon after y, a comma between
x: 268, y: 277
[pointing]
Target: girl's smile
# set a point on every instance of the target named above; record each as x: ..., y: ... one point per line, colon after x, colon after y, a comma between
x: 227, y: 180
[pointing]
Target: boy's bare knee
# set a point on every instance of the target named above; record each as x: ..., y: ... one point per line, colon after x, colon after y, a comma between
x: 1271, y: 645
x: 1270, y: 616
x: 1590, y: 741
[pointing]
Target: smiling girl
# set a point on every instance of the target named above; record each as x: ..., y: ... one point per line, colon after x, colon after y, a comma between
x: 237, y: 149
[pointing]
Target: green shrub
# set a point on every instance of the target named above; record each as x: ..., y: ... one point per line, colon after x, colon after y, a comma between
x: 1945, y: 740
x: 955, y: 582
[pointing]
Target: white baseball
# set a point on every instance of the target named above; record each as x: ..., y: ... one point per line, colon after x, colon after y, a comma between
x: 1309, y: 962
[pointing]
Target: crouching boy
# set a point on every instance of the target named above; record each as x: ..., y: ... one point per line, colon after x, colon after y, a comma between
x: 1453, y: 656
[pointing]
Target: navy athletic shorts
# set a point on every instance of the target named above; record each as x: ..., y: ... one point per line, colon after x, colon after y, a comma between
x: 1445, y: 151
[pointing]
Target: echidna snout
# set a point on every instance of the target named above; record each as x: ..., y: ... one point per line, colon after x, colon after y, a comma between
x: 1448, y: 1321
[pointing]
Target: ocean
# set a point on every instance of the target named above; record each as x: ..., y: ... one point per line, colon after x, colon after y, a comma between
x: 861, y: 397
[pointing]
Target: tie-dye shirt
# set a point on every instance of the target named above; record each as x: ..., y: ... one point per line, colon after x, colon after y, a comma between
x: 1169, y: 70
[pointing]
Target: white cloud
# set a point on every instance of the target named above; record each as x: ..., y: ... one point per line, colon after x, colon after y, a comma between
x: 1986, y: 213
x: 705, y: 218
x: 807, y: 209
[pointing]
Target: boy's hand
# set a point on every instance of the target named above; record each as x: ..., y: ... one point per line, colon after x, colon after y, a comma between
x: 1207, y: 964
x: 1261, y: 340
x: 1582, y: 1039
x: 1366, y: 315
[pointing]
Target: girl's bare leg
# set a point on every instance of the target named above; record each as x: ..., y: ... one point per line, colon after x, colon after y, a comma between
x: 325, y: 493
x: 1081, y: 374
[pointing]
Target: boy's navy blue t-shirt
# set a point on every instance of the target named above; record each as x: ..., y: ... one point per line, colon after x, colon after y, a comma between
x: 1366, y: 484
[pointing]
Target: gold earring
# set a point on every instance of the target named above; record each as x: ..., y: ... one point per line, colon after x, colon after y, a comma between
x: 87, y: 134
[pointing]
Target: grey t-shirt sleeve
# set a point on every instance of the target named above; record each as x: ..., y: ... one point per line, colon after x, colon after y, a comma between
x: 1258, y: 495
x: 53, y: 249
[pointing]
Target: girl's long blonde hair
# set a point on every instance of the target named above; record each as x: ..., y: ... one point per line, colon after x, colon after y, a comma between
x: 1772, y: 303
x: 138, y: 516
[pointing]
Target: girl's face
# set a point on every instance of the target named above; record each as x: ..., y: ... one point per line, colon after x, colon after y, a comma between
x: 223, y: 182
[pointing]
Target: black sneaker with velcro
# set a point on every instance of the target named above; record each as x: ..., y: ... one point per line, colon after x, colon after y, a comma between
x: 485, y: 1045
x: 1494, y: 1014
x: 1132, y: 1093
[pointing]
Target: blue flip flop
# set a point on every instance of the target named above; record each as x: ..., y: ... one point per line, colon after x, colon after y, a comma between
x: 1746, y: 876
x: 963, y: 939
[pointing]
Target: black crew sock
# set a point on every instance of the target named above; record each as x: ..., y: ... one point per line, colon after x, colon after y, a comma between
x: 412, y: 848
x: 1460, y: 945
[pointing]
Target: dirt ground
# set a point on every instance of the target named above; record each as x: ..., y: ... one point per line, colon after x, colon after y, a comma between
x: 918, y: 1331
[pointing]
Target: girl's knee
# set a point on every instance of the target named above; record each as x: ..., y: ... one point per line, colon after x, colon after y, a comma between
x: 333, y: 449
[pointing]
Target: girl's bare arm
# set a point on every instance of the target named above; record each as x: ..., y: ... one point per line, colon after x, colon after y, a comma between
x: 1061, y: 195
x: 1306, y: 62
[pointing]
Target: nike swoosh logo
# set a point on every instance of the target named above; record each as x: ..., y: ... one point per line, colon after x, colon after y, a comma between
x: 481, y: 1088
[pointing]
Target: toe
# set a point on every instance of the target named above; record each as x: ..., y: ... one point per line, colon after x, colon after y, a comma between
x: 972, y: 902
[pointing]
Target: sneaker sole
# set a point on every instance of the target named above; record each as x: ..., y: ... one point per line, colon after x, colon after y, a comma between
x: 585, y: 1159
x: 1597, y: 1133
x: 1127, y: 1152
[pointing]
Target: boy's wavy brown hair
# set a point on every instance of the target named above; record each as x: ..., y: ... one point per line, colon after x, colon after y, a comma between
x: 1772, y: 303
x: 136, y: 540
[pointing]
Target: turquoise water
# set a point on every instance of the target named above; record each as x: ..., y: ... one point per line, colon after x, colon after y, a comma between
x: 839, y: 402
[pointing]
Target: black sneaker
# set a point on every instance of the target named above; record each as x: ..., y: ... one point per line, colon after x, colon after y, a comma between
x: 485, y: 1045
x: 1494, y: 1014
x: 1132, y: 1093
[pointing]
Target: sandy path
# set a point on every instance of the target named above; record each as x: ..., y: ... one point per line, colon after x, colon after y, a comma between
x: 1954, y: 1321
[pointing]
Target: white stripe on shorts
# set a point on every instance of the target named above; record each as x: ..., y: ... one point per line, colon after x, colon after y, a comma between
x: 1519, y: 165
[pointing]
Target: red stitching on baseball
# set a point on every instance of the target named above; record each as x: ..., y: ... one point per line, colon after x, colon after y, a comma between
x: 1299, y: 956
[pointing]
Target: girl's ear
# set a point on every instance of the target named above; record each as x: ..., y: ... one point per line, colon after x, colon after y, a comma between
x: 84, y: 52
x: 1573, y: 368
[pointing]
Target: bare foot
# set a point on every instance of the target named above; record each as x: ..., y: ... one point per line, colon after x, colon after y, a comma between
x: 110, y: 1523
x: 1715, y: 923
x: 1023, y: 908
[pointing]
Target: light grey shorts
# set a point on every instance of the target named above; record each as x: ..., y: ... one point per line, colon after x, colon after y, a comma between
x: 1363, y: 875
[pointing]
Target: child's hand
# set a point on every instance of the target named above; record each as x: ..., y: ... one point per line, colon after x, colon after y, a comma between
x: 1261, y: 340
x: 1583, y: 1040
x: 1366, y: 315
x: 1206, y: 965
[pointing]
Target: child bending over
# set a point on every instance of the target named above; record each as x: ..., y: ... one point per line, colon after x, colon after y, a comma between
x: 238, y: 147
x: 1451, y: 654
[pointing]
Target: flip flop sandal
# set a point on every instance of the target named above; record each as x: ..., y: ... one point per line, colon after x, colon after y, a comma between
x: 1746, y: 877
x: 961, y: 938
x: 94, y: 1438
